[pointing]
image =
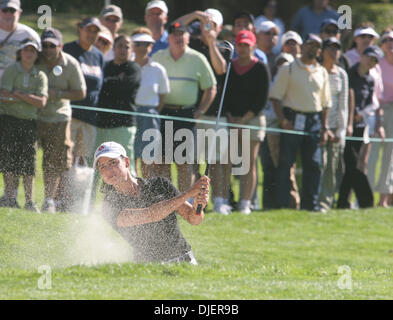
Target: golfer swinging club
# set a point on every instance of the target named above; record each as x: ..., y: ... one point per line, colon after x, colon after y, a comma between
x: 142, y: 211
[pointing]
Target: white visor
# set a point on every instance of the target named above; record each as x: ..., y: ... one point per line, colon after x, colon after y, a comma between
x: 369, y: 30
x: 142, y: 37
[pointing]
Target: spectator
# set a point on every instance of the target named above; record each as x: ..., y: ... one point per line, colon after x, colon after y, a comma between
x: 25, y: 89
x: 301, y: 99
x: 151, y: 94
x: 267, y: 37
x: 291, y: 43
x: 66, y: 82
x: 105, y: 41
x: 111, y: 17
x: 156, y: 17
x: 122, y: 79
x: 246, y: 97
x: 308, y: 19
x: 329, y: 28
x: 206, y: 44
x: 269, y: 10
x: 270, y: 151
x: 365, y: 36
x: 385, y: 183
x: 188, y: 70
x: 362, y: 84
x: 83, y: 131
x: 333, y: 150
x: 12, y: 33
x: 245, y: 21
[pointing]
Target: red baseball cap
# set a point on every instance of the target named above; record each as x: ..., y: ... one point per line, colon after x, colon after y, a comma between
x: 246, y: 36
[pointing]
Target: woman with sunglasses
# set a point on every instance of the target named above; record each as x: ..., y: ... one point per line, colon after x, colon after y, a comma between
x: 24, y: 90
x: 105, y: 41
x: 151, y: 93
x: 366, y: 36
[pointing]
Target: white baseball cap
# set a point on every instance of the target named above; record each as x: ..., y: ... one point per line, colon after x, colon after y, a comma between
x: 216, y: 16
x: 157, y: 4
x: 291, y: 35
x: 109, y: 149
x: 265, y: 26
x: 368, y: 30
x: 142, y: 37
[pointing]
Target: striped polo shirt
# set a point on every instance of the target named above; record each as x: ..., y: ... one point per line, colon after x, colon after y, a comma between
x: 186, y: 75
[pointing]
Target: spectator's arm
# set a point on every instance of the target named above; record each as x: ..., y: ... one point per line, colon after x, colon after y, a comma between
x: 195, y: 15
x: 36, y: 101
x: 207, y: 98
x: 161, y: 102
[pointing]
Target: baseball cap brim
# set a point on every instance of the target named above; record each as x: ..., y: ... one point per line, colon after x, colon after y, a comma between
x: 31, y: 43
x: 247, y: 41
x: 112, y: 155
x: 10, y: 5
x: 54, y: 41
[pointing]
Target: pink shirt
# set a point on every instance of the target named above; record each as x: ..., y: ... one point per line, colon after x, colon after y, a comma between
x: 387, y: 78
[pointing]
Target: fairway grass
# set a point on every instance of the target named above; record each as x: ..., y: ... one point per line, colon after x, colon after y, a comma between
x: 266, y: 255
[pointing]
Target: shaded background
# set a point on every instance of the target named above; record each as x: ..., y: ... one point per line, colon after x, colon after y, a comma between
x: 380, y: 12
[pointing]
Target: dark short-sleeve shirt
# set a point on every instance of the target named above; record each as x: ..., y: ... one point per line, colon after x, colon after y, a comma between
x: 363, y: 87
x: 151, y: 242
x: 199, y: 46
x: 92, y: 65
x: 121, y: 84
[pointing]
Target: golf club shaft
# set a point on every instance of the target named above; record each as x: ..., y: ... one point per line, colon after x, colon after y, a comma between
x: 213, y: 145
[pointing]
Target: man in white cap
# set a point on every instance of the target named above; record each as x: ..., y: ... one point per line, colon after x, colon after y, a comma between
x: 111, y: 17
x: 156, y: 16
x: 12, y: 33
x: 143, y: 211
x: 267, y: 33
x: 291, y: 43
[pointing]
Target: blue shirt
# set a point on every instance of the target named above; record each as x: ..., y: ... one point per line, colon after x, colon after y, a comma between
x: 161, y: 44
x: 260, y: 55
x: 92, y: 65
x: 307, y: 21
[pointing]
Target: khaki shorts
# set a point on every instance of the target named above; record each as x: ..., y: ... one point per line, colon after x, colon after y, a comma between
x: 221, y: 154
x: 83, y: 136
x: 258, y: 121
x: 55, y: 140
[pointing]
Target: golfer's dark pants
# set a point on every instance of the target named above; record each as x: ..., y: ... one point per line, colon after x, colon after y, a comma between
x: 269, y: 177
x: 353, y: 177
x: 311, y: 156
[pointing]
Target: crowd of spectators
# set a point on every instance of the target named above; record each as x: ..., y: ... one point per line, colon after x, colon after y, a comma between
x: 320, y: 101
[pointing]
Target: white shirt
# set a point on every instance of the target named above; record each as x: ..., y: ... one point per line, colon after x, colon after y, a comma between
x: 9, y: 49
x: 154, y: 82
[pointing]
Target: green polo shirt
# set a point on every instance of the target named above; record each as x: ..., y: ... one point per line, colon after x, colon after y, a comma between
x: 186, y: 75
x: 59, y: 110
x: 33, y: 82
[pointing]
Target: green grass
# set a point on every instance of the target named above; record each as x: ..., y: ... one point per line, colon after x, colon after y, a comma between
x: 269, y: 255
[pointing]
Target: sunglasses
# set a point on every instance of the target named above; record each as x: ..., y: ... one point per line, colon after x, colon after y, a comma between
x: 331, y: 31
x: 6, y: 10
x: 104, y: 42
x: 273, y: 34
x: 48, y: 45
x: 142, y: 44
x: 368, y: 36
x: 113, y: 20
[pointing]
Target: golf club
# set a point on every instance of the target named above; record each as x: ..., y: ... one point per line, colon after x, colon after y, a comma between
x: 227, y: 49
